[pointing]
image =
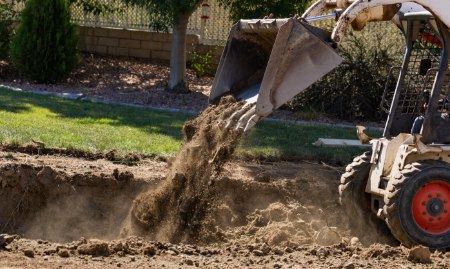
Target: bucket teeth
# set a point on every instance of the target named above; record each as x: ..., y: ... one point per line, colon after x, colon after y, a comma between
x: 252, y: 122
x: 243, y: 121
x: 236, y: 116
x: 261, y: 25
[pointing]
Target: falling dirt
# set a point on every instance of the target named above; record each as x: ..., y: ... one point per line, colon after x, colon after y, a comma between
x: 175, y: 211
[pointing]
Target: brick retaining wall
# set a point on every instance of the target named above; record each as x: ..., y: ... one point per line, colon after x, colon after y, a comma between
x: 132, y: 43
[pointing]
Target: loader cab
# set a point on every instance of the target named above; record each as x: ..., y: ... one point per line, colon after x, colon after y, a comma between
x: 425, y: 68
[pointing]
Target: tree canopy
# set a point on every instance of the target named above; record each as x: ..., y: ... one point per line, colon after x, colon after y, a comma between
x: 252, y: 9
x: 94, y: 6
x: 166, y: 13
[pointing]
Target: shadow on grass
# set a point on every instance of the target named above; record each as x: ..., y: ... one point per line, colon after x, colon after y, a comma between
x: 14, y: 107
x: 148, y: 120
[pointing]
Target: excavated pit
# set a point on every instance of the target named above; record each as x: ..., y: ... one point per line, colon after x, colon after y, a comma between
x: 62, y: 199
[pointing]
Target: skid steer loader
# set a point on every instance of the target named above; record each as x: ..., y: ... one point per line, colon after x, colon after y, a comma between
x: 405, y: 179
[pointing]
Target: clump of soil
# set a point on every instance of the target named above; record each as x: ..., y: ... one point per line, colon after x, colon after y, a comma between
x: 176, y: 210
x: 282, y: 204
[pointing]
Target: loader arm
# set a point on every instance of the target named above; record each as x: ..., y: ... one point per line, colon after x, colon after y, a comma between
x: 439, y: 9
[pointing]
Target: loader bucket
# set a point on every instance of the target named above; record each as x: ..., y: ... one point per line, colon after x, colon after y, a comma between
x: 268, y: 62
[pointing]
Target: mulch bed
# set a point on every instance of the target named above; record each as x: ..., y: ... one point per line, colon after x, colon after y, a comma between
x: 123, y: 80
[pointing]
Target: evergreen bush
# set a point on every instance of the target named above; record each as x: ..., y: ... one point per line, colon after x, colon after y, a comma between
x: 44, y: 47
x: 7, y: 15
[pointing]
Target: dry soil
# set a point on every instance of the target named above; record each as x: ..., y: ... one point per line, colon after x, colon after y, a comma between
x: 59, y: 211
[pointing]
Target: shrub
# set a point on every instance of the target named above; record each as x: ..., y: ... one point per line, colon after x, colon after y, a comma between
x: 353, y: 90
x: 44, y: 47
x: 203, y: 63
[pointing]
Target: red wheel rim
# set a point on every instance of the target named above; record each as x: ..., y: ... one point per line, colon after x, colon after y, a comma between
x: 431, y: 207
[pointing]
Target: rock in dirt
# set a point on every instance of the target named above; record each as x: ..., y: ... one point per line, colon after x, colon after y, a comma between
x: 9, y: 238
x: 94, y: 248
x: 278, y: 237
x: 349, y: 265
x: 278, y: 251
x: 258, y: 252
x: 420, y: 254
x: 150, y: 250
x: 50, y: 251
x: 63, y: 253
x: 354, y: 241
x: 29, y: 253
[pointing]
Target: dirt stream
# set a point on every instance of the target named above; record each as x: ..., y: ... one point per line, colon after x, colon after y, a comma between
x: 196, y: 210
x: 176, y: 211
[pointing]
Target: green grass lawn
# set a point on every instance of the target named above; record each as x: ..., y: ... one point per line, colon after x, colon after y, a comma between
x: 97, y: 127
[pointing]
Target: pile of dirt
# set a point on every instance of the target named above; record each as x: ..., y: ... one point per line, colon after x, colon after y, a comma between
x: 175, y: 211
x: 284, y: 205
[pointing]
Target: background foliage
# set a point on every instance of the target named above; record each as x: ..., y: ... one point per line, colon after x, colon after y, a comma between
x: 7, y: 17
x: 96, y: 7
x: 165, y: 13
x: 202, y: 63
x: 353, y: 90
x: 253, y: 9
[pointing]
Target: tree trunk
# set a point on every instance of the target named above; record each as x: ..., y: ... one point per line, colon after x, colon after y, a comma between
x: 178, y: 55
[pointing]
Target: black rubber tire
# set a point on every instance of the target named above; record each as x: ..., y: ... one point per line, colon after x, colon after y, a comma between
x: 398, y: 202
x: 353, y: 183
x: 356, y: 202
